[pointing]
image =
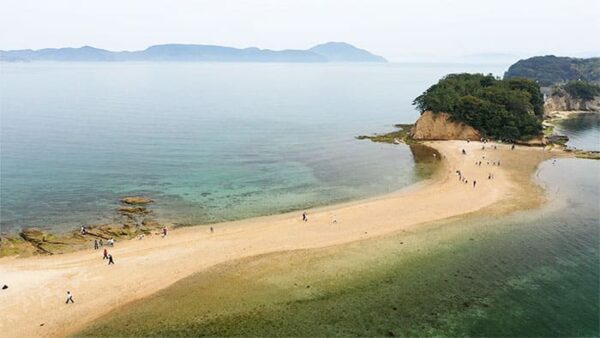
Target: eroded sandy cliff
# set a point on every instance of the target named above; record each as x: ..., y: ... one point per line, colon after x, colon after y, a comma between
x: 439, y: 126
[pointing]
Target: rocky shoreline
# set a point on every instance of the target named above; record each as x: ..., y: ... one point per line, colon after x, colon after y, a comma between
x: 133, y: 218
x: 554, y: 117
x: 430, y: 127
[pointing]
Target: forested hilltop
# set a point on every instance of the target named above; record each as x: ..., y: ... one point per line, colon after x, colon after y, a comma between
x: 551, y: 70
x: 503, y: 109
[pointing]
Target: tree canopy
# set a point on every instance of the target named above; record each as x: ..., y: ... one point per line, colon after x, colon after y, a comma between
x: 549, y: 70
x: 504, y: 109
x: 582, y: 90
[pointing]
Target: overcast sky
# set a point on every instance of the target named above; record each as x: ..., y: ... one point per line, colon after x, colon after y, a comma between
x: 398, y: 30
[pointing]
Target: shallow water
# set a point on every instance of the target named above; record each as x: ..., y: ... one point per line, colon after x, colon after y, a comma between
x: 209, y: 142
x: 532, y: 273
x: 582, y: 129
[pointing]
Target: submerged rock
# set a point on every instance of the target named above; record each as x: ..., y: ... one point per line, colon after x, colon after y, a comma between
x: 133, y: 210
x: 136, y: 200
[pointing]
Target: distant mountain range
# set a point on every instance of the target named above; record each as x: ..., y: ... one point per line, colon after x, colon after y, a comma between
x: 327, y: 52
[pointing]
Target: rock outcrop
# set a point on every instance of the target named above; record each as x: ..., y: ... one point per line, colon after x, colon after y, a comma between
x: 136, y: 200
x: 564, y: 102
x: 133, y: 210
x: 439, y: 126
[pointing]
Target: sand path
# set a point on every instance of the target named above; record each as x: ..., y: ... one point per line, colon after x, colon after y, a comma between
x: 34, y: 303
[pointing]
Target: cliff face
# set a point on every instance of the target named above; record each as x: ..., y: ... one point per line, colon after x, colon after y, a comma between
x: 438, y: 126
x: 565, y: 102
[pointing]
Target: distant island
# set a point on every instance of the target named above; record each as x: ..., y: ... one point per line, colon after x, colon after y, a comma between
x: 570, y: 84
x: 327, y: 52
x: 550, y: 70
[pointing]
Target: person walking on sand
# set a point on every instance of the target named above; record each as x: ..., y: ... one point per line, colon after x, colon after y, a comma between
x: 164, y: 232
x: 304, y: 218
x: 110, y: 260
x: 212, y: 229
x: 474, y: 183
x: 69, y: 298
x: 105, y: 256
x: 95, y: 244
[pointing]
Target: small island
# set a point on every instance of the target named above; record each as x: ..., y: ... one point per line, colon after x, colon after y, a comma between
x: 521, y: 108
x: 475, y: 106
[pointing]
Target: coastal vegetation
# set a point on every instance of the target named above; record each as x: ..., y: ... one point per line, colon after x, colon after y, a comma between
x: 504, y: 109
x: 401, y: 134
x: 580, y: 90
x: 550, y: 70
x: 571, y: 84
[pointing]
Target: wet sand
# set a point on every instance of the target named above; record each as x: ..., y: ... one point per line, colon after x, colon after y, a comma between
x: 34, y: 303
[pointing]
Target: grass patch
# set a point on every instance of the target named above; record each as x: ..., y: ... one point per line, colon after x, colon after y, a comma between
x: 397, y: 136
x: 548, y: 130
x: 588, y: 155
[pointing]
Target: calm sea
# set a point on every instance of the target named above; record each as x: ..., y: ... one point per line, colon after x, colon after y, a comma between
x: 208, y: 141
x: 533, y: 273
x: 583, y: 131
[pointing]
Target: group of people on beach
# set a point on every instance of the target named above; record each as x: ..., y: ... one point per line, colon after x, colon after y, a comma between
x: 98, y: 243
x: 463, y: 179
x: 105, y: 256
x: 478, y: 163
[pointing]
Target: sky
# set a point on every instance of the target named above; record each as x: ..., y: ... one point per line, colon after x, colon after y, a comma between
x: 398, y: 30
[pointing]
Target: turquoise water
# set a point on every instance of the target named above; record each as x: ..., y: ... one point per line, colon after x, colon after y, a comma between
x: 208, y: 142
x: 583, y: 131
x: 533, y: 273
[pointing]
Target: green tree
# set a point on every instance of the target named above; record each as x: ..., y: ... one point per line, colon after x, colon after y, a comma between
x: 506, y: 109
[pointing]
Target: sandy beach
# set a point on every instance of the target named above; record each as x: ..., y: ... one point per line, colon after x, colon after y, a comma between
x: 34, y: 303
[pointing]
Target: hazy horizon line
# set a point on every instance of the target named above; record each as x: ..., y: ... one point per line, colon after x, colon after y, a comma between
x: 500, y: 56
